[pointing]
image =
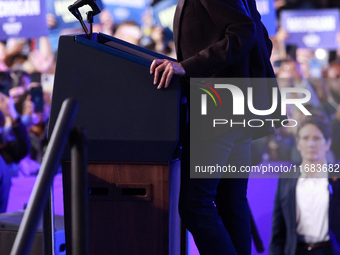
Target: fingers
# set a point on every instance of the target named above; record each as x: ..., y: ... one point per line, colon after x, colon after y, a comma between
x: 163, y: 78
x: 158, y: 70
x: 153, y: 66
x: 167, y: 74
x: 169, y: 67
x: 156, y: 67
x: 166, y: 77
x: 155, y: 63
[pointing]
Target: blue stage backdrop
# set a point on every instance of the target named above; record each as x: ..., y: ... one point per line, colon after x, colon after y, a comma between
x: 268, y: 17
x: 65, y: 19
x: 123, y: 10
x: 18, y: 17
x: 164, y: 12
x: 312, y: 28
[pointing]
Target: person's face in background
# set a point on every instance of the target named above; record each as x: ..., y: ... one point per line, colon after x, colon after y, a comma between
x: 128, y: 32
x: 312, y: 145
x: 285, y: 78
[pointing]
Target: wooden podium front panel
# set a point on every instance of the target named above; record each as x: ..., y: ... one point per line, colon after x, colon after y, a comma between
x: 128, y: 224
x: 129, y: 209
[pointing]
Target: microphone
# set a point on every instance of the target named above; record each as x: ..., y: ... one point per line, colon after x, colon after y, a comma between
x: 80, y: 3
x: 77, y: 4
x: 95, y: 10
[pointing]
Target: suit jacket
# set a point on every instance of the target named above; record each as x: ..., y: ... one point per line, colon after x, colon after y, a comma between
x: 226, y: 38
x: 284, y: 236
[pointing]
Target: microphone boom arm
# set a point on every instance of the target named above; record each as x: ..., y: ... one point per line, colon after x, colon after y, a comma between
x: 95, y: 10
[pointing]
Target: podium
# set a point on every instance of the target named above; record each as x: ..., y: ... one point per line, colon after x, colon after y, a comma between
x: 133, y: 130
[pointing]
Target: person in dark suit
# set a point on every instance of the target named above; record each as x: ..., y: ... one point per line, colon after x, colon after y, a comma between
x: 307, y: 205
x: 219, y: 38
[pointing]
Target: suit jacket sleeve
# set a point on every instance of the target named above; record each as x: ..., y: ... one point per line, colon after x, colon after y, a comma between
x: 232, y: 18
x: 278, y: 236
x: 269, y: 43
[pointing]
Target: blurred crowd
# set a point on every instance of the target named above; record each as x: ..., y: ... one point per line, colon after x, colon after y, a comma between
x: 318, y: 71
x: 305, y: 4
x: 27, y: 68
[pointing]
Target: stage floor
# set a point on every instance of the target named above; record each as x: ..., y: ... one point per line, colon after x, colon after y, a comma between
x: 21, y: 190
x: 261, y: 194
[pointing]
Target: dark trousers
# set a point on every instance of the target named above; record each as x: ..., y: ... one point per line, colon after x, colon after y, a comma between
x: 216, y: 210
x: 316, y: 251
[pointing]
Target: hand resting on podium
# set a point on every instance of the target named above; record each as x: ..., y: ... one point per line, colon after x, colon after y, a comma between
x: 169, y: 68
